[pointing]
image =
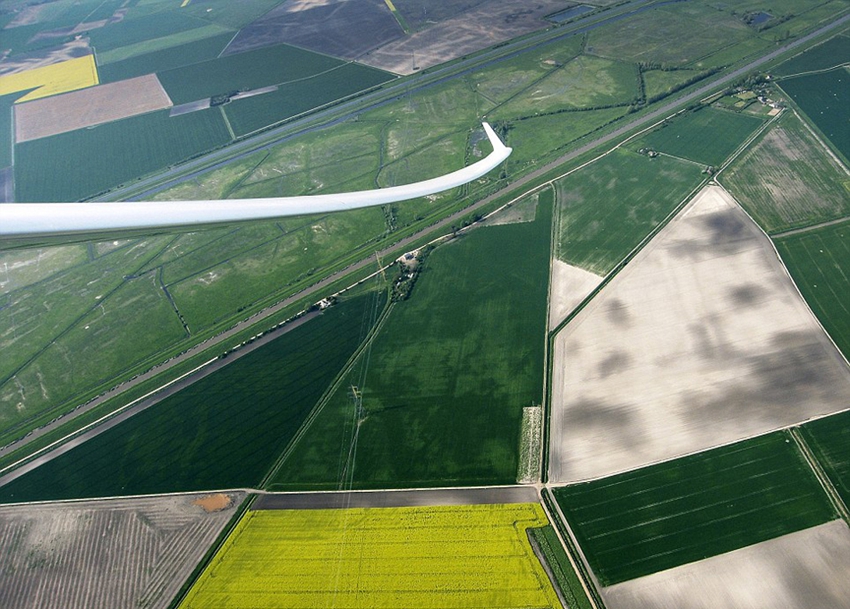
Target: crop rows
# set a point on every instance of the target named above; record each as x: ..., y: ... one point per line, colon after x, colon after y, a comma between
x: 666, y: 515
x: 70, y: 556
x: 449, y: 556
x: 830, y: 440
x: 819, y: 262
x: 224, y: 431
x: 825, y: 98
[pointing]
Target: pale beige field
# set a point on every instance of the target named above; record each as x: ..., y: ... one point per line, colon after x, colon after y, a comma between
x: 569, y: 286
x: 88, y: 107
x: 700, y: 341
x: 809, y: 569
x: 479, y: 28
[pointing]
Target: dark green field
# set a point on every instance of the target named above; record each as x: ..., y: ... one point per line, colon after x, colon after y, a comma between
x: 819, y: 262
x: 141, y: 29
x: 224, y: 431
x: 444, y: 383
x: 610, y: 206
x: 250, y: 70
x: 825, y: 98
x: 673, y: 513
x: 829, y: 439
x: 831, y: 53
x: 83, y: 163
x: 165, y: 59
x: 7, y: 138
x: 253, y: 113
x: 565, y: 577
x: 705, y: 136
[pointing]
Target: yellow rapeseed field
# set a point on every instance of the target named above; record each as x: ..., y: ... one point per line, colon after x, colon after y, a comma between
x: 49, y: 80
x: 446, y: 556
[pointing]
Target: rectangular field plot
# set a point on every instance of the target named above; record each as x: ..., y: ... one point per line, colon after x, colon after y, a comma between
x: 442, y: 387
x: 244, y: 71
x: 80, y: 164
x: 113, y: 553
x: 224, y: 431
x: 789, y: 180
x: 819, y: 262
x: 440, y: 556
x: 681, y: 511
x: 829, y: 439
x: 165, y: 59
x: 825, y: 98
x: 706, y: 136
x: 142, y: 29
x: 252, y: 113
x: 830, y: 54
x: 609, y: 207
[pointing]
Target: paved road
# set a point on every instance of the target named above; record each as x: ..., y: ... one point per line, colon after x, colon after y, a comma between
x: 400, y: 246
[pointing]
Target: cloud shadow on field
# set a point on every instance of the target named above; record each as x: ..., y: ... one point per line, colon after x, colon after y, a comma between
x: 719, y: 233
x: 590, y: 417
x: 614, y: 362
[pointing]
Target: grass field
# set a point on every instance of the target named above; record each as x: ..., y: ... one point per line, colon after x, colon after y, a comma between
x: 443, y: 556
x: 658, y: 83
x: 666, y: 515
x: 583, y: 82
x: 831, y: 53
x: 819, y: 262
x: 140, y: 30
x: 825, y: 98
x: 7, y: 137
x: 224, y: 431
x: 53, y: 79
x: 675, y: 35
x: 705, y: 136
x: 83, y: 163
x: 253, y: 113
x: 829, y: 439
x: 131, y: 61
x: 788, y: 180
x: 609, y: 207
x: 445, y: 382
x: 262, y: 259
x: 244, y: 71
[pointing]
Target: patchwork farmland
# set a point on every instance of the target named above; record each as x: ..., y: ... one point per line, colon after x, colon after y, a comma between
x: 666, y: 515
x: 701, y: 340
x: 447, y: 556
x: 697, y: 337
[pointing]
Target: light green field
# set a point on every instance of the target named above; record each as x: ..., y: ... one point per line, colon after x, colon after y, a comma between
x: 445, y: 556
x: 658, y: 83
x: 677, y: 35
x: 609, y: 207
x: 788, y: 179
x: 819, y: 262
x: 506, y: 78
x: 584, y: 82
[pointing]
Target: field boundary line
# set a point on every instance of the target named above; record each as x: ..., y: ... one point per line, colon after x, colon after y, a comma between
x: 571, y: 548
x: 821, y: 142
x: 821, y: 475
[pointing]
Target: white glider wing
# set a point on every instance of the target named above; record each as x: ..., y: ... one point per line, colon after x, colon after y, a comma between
x: 29, y: 223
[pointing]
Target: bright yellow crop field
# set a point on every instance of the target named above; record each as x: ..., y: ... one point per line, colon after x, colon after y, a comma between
x: 446, y: 556
x: 49, y: 80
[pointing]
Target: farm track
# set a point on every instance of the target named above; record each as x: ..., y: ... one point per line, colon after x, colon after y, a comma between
x: 820, y: 474
x: 805, y: 229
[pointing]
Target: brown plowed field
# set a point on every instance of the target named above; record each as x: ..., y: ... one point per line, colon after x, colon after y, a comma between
x: 88, y: 107
x: 109, y: 553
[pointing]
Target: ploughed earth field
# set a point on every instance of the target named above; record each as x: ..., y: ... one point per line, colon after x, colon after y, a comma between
x: 702, y: 340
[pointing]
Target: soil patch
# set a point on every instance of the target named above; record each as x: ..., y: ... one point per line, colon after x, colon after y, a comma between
x: 89, y: 107
x: 700, y: 341
x: 569, y: 286
x: 213, y: 503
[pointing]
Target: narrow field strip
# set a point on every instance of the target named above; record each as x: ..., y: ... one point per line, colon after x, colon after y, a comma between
x: 691, y: 508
